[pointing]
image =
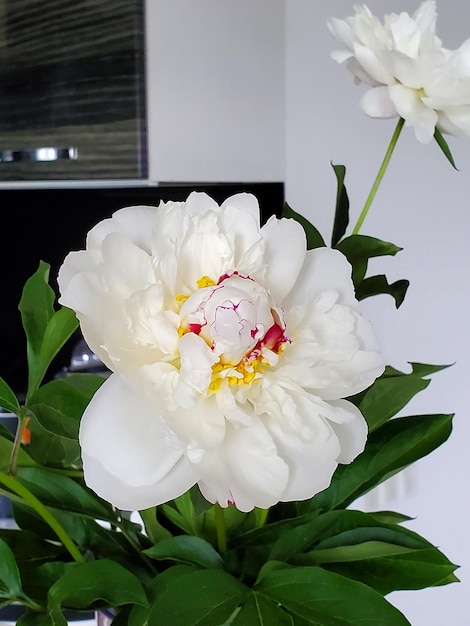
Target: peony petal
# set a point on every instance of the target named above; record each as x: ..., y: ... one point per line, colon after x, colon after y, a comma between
x: 198, y: 202
x: 245, y: 202
x: 239, y: 218
x: 81, y: 294
x: 311, y: 463
x: 343, y: 32
x: 158, y: 380
x: 377, y: 103
x: 350, y: 428
x: 456, y: 120
x: 138, y: 497
x: 74, y: 263
x: 201, y: 427
x: 197, y: 360
x: 425, y: 16
x: 130, y: 456
x: 318, y: 371
x: 203, y: 251
x: 245, y: 470
x: 323, y: 270
x: 312, y: 436
x: 126, y: 267
x: 361, y: 76
x: 410, y: 107
x: 284, y: 256
x: 372, y: 66
x: 137, y: 223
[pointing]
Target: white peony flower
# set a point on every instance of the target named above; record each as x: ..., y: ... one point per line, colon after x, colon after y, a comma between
x: 410, y: 74
x: 231, y: 349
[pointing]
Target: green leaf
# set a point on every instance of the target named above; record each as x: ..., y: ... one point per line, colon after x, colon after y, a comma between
x: 200, y: 504
x: 443, y: 145
x: 390, y: 517
x: 10, y: 583
x: 377, y: 285
x: 341, y: 220
x: 339, y: 527
x: 326, y: 598
x: 37, y: 307
x: 6, y: 447
x: 366, y: 550
x: 176, y: 518
x: 187, y: 549
x: 387, y: 557
x: 269, y: 533
x: 39, y: 578
x: 46, y: 329
x: 314, y: 239
x: 89, y: 535
x: 261, y: 611
x: 389, y: 449
x: 360, y: 546
x: 61, y: 492
x: 60, y: 328
x: 411, y: 570
x: 85, y: 584
x: 200, y: 598
x: 59, y: 405
x: 29, y: 548
x: 387, y: 396
x: 8, y: 399
x: 138, y: 615
x: 358, y: 249
x: 425, y: 369
x: 52, y: 450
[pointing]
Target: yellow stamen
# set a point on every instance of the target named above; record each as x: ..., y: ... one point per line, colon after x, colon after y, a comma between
x: 205, y: 281
x: 182, y: 297
x: 249, y: 371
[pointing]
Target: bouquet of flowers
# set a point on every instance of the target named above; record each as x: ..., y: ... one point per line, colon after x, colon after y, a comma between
x: 208, y: 476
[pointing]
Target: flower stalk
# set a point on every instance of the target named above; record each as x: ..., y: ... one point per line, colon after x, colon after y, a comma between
x: 14, y: 485
x: 380, y: 175
x: 261, y: 517
x: 20, y: 430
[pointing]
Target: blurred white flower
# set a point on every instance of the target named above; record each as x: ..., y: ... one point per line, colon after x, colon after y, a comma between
x: 410, y: 74
x: 232, y: 348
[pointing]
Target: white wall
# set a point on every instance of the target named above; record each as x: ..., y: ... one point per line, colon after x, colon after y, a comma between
x: 422, y: 206
x: 216, y: 90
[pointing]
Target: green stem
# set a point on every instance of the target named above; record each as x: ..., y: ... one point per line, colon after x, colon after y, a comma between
x: 380, y: 175
x: 21, y: 425
x: 221, y: 530
x: 261, y: 517
x: 134, y: 542
x: 31, y: 604
x: 14, y: 485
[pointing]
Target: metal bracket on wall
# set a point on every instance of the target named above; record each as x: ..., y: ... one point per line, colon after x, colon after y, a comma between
x: 47, y: 153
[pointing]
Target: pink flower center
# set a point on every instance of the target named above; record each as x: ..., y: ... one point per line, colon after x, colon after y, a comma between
x: 239, y: 321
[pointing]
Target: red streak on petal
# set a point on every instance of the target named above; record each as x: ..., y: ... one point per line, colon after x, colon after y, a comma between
x: 194, y: 328
x: 273, y: 338
x: 233, y: 273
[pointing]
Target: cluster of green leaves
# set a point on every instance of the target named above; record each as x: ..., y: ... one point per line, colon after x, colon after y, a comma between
x: 317, y: 562
x: 358, y: 249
